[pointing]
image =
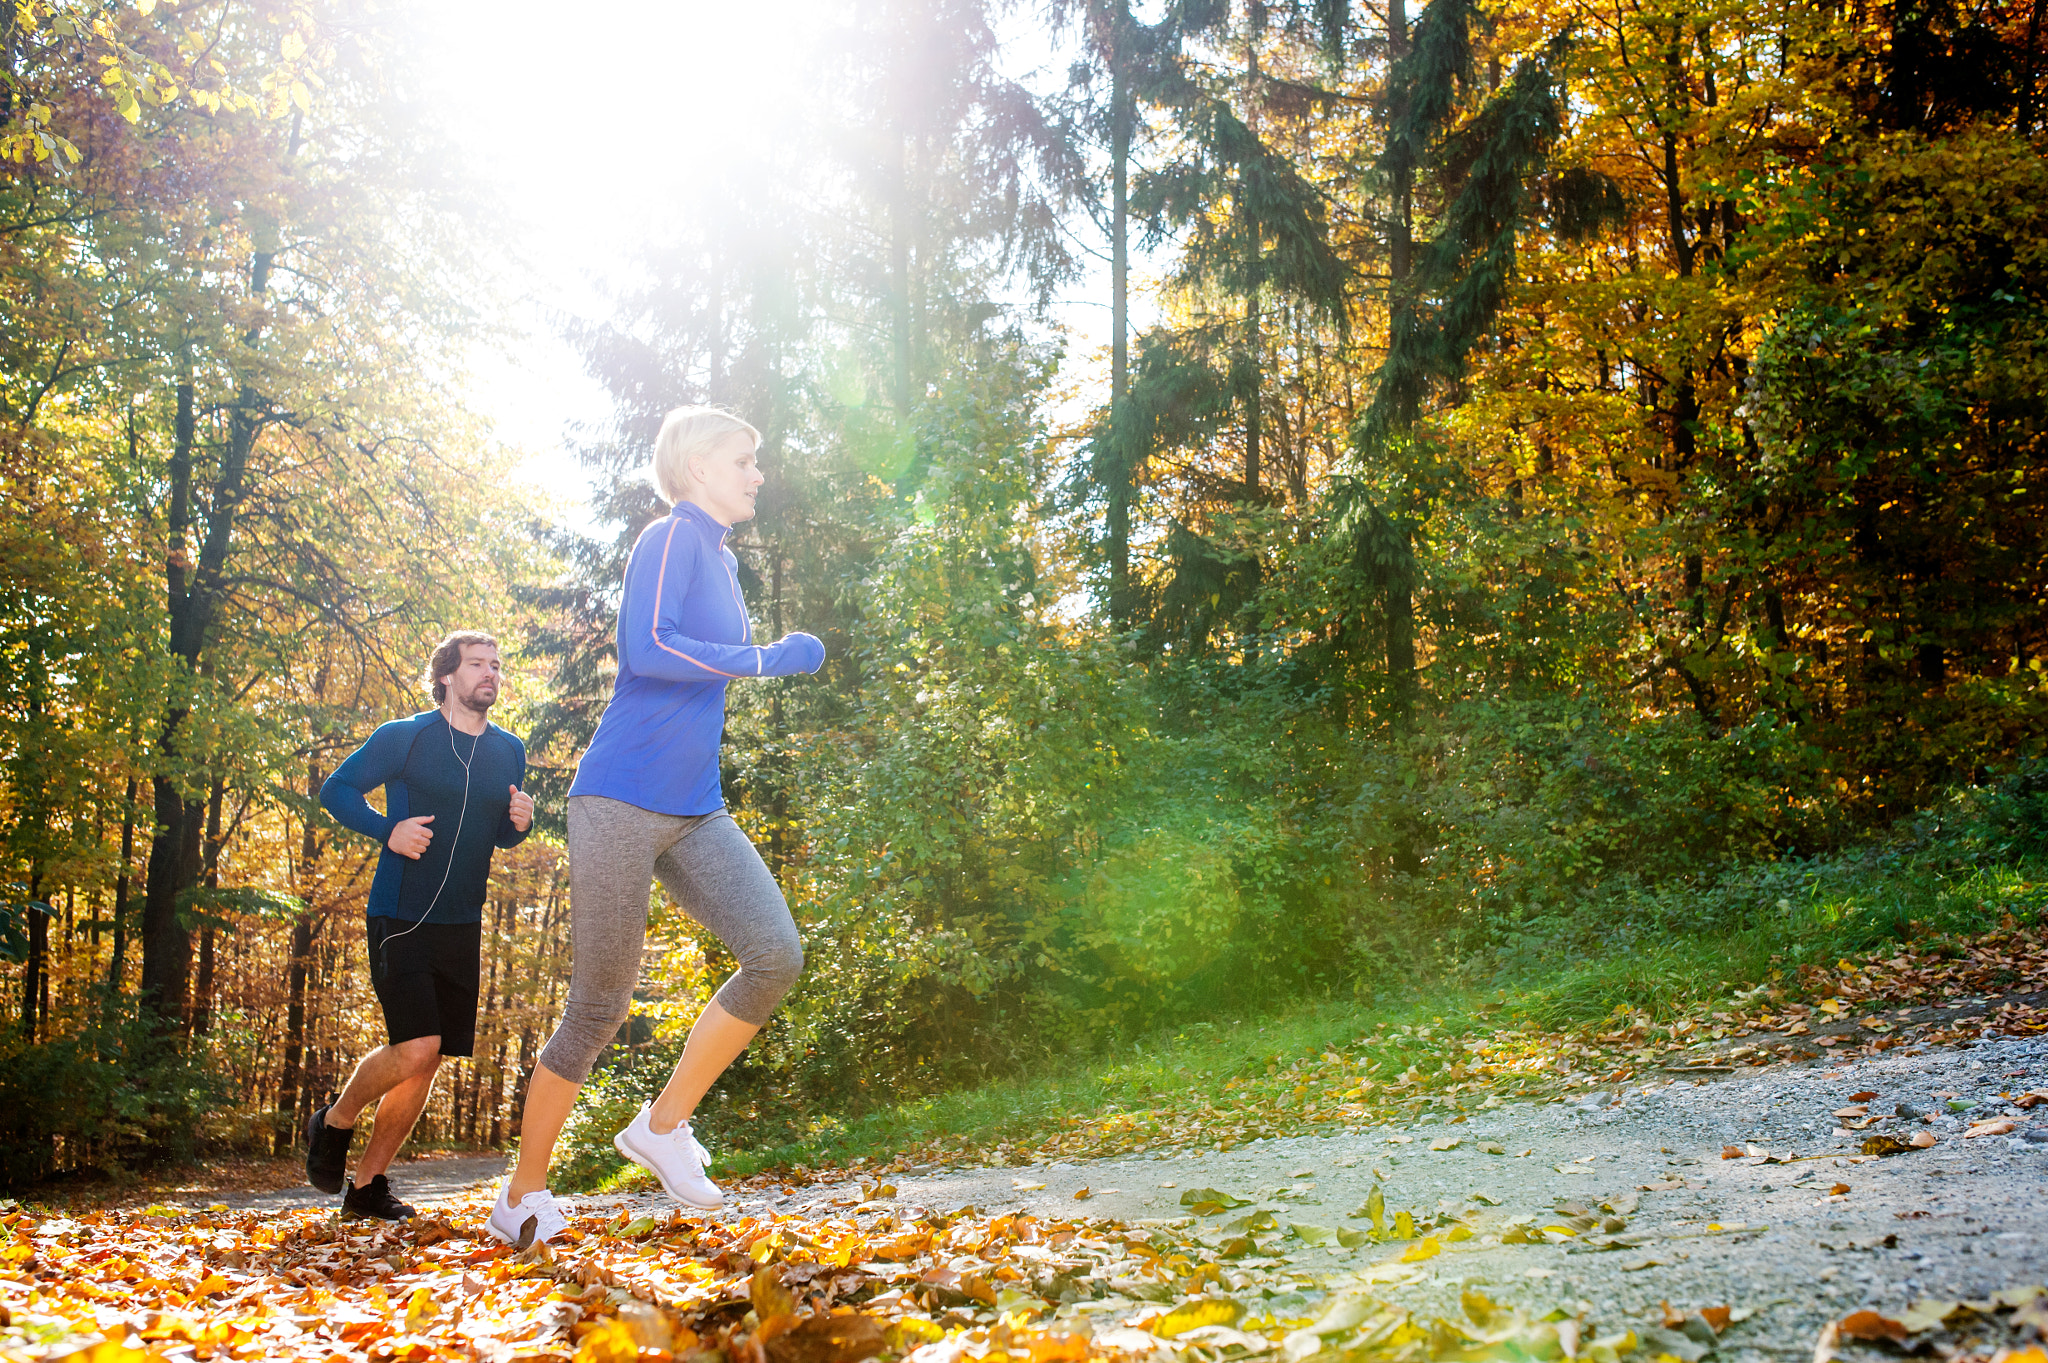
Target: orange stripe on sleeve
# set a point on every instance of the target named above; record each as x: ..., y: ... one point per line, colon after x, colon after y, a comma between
x: 654, y: 627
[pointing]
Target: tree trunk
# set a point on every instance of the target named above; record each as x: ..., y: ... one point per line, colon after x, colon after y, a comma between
x: 1401, y: 245
x: 2028, y: 79
x: 1254, y: 414
x: 115, y: 966
x: 8, y: 19
x: 37, y: 966
x: 1399, y: 583
x: 1774, y: 611
x: 35, y: 819
x: 193, y: 601
x: 899, y: 285
x: 291, y: 1079
x: 1123, y: 454
x: 202, y: 998
x: 1401, y: 629
x: 166, y: 947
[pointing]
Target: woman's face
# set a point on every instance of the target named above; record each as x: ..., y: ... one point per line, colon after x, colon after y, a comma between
x: 727, y: 478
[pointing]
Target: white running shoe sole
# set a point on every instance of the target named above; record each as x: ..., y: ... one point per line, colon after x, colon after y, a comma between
x: 619, y: 1144
x: 529, y: 1227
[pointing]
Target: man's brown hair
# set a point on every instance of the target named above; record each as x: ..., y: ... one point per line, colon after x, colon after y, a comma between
x: 448, y: 657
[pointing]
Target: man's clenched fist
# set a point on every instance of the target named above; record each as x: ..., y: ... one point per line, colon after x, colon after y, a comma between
x: 411, y: 836
x: 522, y: 809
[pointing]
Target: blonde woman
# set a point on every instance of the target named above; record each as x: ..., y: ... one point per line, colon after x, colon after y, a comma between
x: 646, y: 803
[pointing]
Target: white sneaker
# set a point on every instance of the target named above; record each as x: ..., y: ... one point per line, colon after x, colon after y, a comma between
x: 536, y: 1220
x: 673, y: 1157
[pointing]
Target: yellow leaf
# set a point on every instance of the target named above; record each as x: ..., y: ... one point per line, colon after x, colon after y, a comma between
x: 1426, y: 1248
x: 1927, y: 1313
x: 107, y: 1351
x: 770, y: 1298
x: 613, y: 1341
x: 908, y: 1333
x: 294, y: 47
x: 145, y: 7
x: 1196, y: 1314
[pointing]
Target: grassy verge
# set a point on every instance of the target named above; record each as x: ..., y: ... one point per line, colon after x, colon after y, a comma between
x: 1623, y: 987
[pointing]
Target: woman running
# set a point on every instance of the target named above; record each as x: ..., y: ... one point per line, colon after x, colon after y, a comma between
x: 646, y: 803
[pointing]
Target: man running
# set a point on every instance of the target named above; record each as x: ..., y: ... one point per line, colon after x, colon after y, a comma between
x: 451, y: 794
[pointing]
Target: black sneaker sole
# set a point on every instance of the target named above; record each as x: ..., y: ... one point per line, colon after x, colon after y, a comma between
x: 319, y: 1178
x: 349, y: 1213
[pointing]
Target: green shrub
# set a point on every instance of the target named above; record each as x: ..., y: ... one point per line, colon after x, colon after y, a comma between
x: 585, y: 1156
x: 111, y: 1095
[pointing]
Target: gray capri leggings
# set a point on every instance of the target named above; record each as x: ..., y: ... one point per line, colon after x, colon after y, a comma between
x: 710, y: 868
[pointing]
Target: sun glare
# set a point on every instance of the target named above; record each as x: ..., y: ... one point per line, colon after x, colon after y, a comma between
x: 587, y: 125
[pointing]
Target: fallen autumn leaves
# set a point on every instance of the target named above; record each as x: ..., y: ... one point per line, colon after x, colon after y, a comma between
x: 2007, y: 1327
x: 882, y: 1283
x: 106, y: 1288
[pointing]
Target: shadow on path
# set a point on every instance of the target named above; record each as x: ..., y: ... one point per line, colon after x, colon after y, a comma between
x: 417, y: 1181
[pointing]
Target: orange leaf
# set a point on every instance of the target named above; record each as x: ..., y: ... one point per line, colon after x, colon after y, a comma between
x: 1871, y: 1326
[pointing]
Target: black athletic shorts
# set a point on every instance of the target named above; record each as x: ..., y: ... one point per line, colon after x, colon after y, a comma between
x: 427, y: 977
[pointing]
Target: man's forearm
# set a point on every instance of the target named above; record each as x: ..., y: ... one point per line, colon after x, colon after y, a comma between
x: 351, y: 810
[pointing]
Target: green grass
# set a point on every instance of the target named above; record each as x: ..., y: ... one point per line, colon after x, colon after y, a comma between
x: 1661, y: 953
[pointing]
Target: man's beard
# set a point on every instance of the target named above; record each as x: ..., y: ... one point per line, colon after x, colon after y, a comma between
x: 475, y: 702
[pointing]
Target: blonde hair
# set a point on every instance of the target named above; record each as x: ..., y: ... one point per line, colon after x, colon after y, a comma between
x: 685, y: 432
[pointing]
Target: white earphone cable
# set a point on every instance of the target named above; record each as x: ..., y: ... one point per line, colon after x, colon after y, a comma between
x: 384, y: 946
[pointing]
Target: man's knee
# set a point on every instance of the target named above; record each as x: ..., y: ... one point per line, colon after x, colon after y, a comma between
x: 420, y: 1055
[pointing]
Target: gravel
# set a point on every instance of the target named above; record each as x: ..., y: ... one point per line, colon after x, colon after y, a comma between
x: 1960, y: 1220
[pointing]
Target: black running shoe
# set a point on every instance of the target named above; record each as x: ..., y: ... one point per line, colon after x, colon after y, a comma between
x: 326, y: 1152
x: 374, y: 1199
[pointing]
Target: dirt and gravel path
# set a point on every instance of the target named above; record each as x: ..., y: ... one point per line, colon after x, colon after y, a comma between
x: 1801, y: 1232
x: 1798, y: 1230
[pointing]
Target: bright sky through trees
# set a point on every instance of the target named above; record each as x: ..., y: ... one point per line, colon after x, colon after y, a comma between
x: 585, y: 130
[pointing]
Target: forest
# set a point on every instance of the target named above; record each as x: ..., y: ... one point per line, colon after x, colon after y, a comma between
x: 1556, y: 470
